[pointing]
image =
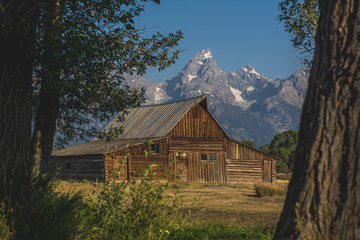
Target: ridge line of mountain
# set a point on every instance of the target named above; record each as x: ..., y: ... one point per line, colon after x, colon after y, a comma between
x: 246, y: 103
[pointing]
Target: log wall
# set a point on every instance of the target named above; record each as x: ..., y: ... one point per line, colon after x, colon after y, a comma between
x: 125, y: 163
x: 248, y: 164
x: 90, y: 167
x: 239, y: 170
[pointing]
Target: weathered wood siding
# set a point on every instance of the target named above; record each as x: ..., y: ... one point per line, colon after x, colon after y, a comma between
x: 197, y: 133
x: 242, y: 170
x: 90, y: 167
x: 187, y: 152
x: 199, y: 170
x: 197, y: 123
x: 119, y: 166
x: 247, y: 164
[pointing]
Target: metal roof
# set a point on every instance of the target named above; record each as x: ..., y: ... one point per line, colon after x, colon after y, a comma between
x: 96, y: 147
x: 153, y: 121
x: 141, y: 123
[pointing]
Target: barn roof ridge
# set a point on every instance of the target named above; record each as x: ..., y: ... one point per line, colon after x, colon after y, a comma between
x: 255, y: 149
x: 166, y: 103
x: 152, y: 121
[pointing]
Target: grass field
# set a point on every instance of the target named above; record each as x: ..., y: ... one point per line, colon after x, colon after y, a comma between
x: 216, y: 208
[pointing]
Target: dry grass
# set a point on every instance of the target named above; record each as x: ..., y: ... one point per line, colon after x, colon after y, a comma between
x: 234, y: 205
x: 266, y: 189
x: 285, y: 176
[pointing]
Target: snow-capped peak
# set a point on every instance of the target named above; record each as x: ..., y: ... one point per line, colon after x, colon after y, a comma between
x: 204, y: 54
x: 249, y: 69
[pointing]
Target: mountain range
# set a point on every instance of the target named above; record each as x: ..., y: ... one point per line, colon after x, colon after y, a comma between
x: 247, y: 104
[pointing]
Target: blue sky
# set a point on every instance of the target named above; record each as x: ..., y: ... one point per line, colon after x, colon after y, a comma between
x: 238, y: 32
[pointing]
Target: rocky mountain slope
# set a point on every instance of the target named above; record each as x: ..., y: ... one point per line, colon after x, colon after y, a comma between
x: 247, y: 104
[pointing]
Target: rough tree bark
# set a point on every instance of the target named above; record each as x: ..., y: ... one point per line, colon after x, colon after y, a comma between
x: 48, y: 106
x: 17, y: 38
x: 323, y: 201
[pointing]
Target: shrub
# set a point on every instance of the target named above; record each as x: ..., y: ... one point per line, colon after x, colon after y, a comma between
x: 47, y: 214
x: 129, y: 210
x: 5, y: 233
x: 269, y: 189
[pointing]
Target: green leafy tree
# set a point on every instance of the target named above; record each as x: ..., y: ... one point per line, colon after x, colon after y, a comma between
x: 300, y: 19
x: 84, y: 49
x: 283, y: 146
x: 62, y: 66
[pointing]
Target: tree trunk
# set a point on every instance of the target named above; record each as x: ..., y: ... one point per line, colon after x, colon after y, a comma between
x: 48, y: 107
x: 44, y: 132
x: 17, y: 40
x: 323, y: 200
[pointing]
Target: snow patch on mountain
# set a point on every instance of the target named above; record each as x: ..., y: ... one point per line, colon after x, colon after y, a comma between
x: 246, y: 103
x: 250, y: 89
x: 159, y: 95
x: 191, y: 77
x: 254, y: 72
x: 250, y: 70
x: 205, y: 54
x: 238, y: 98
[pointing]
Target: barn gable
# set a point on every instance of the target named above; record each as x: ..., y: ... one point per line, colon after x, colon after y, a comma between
x: 198, y: 122
x: 154, y: 121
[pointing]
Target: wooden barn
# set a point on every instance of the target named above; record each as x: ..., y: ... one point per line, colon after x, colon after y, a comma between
x: 180, y: 137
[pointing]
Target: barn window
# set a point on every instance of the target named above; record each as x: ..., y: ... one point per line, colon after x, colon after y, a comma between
x: 212, y: 157
x: 208, y: 157
x: 155, y: 148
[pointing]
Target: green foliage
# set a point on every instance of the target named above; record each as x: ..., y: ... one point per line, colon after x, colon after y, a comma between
x: 249, y: 143
x: 282, y: 167
x: 129, y: 210
x: 46, y: 214
x: 218, y: 231
x: 267, y: 189
x: 84, y: 48
x: 283, y: 146
x: 5, y: 233
x: 124, y: 210
x: 300, y: 19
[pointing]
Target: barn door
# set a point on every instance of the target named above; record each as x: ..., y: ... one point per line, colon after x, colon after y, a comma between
x: 182, y: 167
x: 267, y: 171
